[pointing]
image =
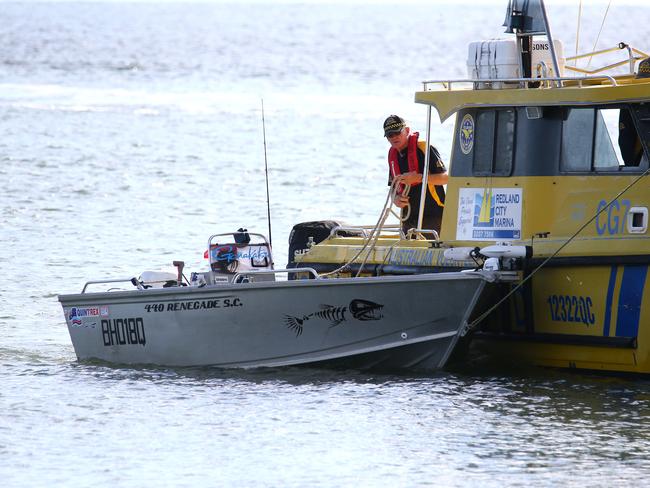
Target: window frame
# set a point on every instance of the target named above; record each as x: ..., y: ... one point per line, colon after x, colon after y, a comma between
x: 496, y: 132
x: 620, y: 167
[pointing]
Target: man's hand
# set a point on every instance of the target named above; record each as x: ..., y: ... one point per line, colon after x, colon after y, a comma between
x: 400, y: 201
x: 411, y: 178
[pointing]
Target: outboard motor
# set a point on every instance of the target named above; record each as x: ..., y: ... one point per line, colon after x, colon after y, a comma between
x: 308, y: 232
x: 305, y: 234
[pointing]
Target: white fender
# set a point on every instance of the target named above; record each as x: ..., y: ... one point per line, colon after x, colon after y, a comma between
x: 506, y: 251
x: 458, y: 253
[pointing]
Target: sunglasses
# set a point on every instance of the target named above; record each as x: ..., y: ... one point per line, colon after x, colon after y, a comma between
x: 390, y: 135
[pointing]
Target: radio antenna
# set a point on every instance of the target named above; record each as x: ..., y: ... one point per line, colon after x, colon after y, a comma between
x: 266, y: 173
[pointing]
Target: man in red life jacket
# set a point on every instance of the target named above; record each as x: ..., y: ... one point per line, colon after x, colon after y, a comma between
x: 406, y: 162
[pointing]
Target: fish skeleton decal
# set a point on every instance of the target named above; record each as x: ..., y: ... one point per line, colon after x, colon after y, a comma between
x: 362, y: 310
x: 365, y: 310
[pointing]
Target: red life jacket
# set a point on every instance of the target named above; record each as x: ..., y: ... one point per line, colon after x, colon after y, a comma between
x: 412, y: 154
x: 412, y: 157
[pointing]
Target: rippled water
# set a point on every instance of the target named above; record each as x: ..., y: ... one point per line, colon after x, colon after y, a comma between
x: 88, y: 424
x: 131, y: 132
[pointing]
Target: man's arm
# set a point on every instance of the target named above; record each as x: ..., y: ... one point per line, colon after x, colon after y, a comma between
x: 413, y: 178
x: 437, y: 171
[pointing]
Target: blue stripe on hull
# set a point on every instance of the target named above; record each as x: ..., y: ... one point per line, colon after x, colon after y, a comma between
x: 629, y: 300
x: 608, y: 304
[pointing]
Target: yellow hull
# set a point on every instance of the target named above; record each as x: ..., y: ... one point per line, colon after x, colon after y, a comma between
x: 586, y: 317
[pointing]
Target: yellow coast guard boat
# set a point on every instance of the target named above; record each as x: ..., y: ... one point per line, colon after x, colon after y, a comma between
x: 549, y: 178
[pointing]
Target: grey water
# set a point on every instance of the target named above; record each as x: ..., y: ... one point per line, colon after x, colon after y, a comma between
x: 130, y: 132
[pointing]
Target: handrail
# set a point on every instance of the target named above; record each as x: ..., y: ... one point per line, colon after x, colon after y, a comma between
x: 447, y: 83
x: 418, y: 232
x: 133, y: 281
x: 631, y: 59
x: 312, y: 271
x: 363, y: 228
x: 604, y: 68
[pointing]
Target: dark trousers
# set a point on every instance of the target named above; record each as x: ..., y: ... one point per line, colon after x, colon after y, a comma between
x: 430, y: 221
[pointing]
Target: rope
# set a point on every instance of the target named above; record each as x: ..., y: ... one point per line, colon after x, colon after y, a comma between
x: 374, y: 234
x: 393, y: 193
x: 374, y: 242
x: 527, y: 278
x: 599, y: 32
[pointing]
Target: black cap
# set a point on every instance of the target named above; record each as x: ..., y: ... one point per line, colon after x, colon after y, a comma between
x: 644, y: 69
x: 393, y: 124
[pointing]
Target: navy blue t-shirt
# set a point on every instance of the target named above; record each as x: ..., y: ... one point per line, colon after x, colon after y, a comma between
x: 432, y: 211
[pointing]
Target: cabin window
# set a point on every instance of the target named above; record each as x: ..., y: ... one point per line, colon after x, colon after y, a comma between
x: 577, y: 140
x: 494, y: 144
x: 606, y: 154
x: 599, y: 140
x: 484, y: 144
x: 505, y: 142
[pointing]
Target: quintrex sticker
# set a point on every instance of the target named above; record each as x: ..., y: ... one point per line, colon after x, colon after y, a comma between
x: 360, y: 309
x: 77, y: 315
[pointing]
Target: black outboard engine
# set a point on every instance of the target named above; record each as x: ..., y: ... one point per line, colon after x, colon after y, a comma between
x: 301, y: 233
x: 311, y: 232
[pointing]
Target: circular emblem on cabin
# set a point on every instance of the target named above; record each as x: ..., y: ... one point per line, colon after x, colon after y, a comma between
x: 466, y: 134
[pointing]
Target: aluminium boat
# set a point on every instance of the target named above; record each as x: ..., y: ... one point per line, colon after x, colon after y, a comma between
x: 238, y: 315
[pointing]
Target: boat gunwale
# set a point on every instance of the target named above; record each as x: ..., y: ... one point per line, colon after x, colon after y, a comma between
x: 150, y: 293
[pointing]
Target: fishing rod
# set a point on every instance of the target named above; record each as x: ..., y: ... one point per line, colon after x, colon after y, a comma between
x: 266, y: 173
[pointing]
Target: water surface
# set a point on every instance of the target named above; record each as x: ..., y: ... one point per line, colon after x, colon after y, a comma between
x: 131, y: 132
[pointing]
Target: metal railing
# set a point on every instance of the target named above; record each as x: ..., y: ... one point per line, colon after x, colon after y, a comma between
x: 633, y: 55
x: 243, y: 274
x: 360, y: 228
x: 419, y: 234
x: 447, y: 84
x: 134, y: 281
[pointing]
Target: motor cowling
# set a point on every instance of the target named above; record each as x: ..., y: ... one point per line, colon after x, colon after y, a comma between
x: 301, y: 233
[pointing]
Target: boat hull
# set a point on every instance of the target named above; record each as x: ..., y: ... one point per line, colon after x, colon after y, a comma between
x: 592, y: 317
x: 397, y: 322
